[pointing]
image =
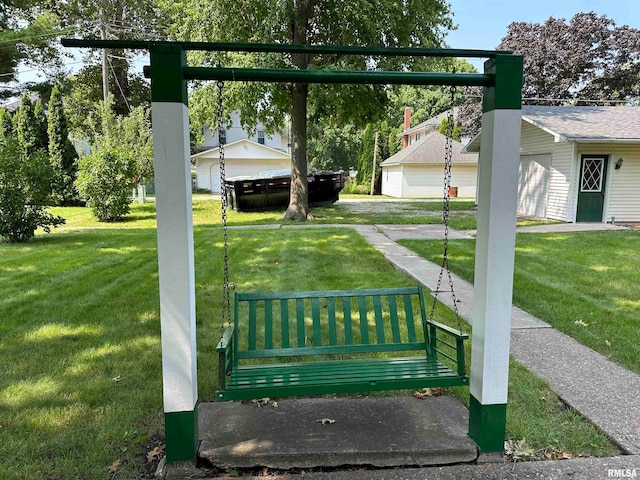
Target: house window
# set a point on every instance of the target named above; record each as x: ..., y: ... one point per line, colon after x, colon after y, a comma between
x: 417, y: 137
x: 261, y: 137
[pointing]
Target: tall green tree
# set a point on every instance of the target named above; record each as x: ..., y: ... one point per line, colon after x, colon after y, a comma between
x: 365, y: 162
x: 334, y: 147
x: 6, y: 124
x: 121, y: 155
x: 445, y: 129
x: 26, y: 126
x: 40, y: 118
x: 358, y: 22
x: 62, y: 155
x: 25, y: 187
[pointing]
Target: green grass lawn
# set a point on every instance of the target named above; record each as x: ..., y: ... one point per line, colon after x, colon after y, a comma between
x: 584, y: 284
x: 206, y: 212
x: 80, y: 378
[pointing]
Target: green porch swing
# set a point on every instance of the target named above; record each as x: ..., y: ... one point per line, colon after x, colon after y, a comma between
x: 285, y: 344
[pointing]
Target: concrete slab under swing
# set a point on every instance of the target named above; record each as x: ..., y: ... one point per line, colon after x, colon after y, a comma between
x: 374, y: 431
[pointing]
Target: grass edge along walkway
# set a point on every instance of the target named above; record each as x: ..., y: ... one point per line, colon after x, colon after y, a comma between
x: 598, y: 388
x: 80, y: 391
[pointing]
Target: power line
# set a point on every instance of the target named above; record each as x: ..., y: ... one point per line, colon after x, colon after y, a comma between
x: 44, y: 35
x: 36, y: 69
x: 118, y: 83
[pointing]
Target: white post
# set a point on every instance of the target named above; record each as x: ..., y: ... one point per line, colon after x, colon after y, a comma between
x: 170, y: 120
x: 495, y: 251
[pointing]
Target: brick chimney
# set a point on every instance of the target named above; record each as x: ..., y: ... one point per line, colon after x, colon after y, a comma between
x: 407, y: 126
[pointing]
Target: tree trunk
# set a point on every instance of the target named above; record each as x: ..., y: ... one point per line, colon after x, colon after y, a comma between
x: 298, y: 209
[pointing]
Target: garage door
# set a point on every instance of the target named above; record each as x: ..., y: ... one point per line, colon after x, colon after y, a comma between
x: 533, y: 185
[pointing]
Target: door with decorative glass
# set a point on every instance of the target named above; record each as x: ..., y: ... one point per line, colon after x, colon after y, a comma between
x: 593, y: 174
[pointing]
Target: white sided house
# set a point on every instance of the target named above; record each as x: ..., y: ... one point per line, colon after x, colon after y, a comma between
x: 242, y: 158
x: 245, y: 154
x: 579, y: 164
x: 418, y: 170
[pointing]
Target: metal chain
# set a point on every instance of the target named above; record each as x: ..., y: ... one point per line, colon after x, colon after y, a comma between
x: 448, y: 160
x: 226, y: 298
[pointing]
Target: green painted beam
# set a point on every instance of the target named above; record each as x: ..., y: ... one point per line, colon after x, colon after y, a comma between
x: 334, y: 76
x: 279, y: 48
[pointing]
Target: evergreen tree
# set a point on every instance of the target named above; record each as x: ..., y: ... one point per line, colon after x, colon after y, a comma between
x: 26, y: 126
x: 6, y: 124
x: 456, y: 134
x: 25, y: 187
x: 42, y: 138
x: 62, y: 155
x: 366, y: 154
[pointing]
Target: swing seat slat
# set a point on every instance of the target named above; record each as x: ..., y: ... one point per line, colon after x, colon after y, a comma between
x: 312, y: 343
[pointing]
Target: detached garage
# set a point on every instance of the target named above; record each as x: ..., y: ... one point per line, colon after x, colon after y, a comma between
x: 578, y: 164
x: 243, y: 157
x: 418, y: 170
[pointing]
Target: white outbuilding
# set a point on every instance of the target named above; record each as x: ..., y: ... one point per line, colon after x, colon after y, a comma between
x: 242, y: 158
x: 418, y: 170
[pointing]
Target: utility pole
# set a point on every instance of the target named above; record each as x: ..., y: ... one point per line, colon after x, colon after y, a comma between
x: 105, y: 71
x: 373, y: 169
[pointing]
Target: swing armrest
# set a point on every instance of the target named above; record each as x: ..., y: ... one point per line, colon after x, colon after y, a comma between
x: 451, y: 331
x: 226, y: 341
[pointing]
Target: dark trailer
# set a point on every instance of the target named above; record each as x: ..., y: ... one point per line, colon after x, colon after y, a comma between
x: 272, y: 189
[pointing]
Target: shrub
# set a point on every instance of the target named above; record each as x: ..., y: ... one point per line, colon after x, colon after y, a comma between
x: 25, y: 189
x: 105, y: 180
x: 353, y: 187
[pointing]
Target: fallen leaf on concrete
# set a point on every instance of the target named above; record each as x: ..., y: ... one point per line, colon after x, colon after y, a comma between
x: 325, y: 421
x: 428, y: 392
x: 517, y: 450
x: 263, y: 402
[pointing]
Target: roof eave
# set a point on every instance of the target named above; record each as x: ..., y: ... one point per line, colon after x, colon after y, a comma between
x: 603, y: 140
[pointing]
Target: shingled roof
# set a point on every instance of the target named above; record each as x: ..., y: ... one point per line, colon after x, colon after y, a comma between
x: 430, y: 149
x: 586, y: 124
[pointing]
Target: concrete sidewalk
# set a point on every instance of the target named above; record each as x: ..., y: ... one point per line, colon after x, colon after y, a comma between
x: 601, y: 390
x: 333, y: 432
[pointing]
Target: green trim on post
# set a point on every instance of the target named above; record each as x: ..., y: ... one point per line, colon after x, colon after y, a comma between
x: 167, y: 80
x: 506, y: 94
x: 181, y: 435
x: 487, y: 424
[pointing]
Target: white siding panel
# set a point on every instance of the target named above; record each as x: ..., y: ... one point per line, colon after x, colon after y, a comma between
x: 559, y: 206
x: 392, y: 181
x: 533, y: 185
x: 622, y: 196
x: 427, y: 180
x: 534, y: 140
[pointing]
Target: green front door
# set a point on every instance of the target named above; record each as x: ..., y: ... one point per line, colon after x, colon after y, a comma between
x: 593, y: 174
